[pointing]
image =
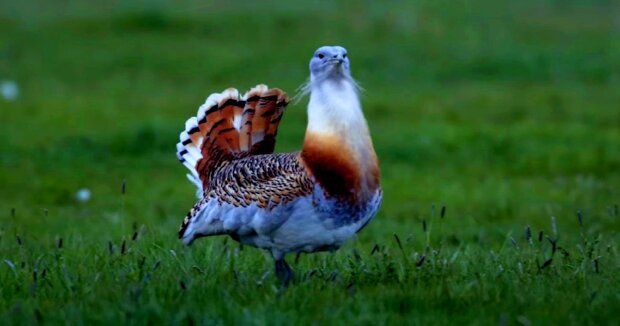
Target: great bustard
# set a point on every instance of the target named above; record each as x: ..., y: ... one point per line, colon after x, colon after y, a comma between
x: 306, y: 201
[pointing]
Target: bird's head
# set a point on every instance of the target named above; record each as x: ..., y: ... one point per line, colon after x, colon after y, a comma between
x: 330, y: 62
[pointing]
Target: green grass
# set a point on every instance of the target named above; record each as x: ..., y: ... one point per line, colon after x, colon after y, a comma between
x: 506, y: 113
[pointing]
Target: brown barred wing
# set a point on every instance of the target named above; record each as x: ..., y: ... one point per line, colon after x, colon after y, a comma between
x: 265, y: 180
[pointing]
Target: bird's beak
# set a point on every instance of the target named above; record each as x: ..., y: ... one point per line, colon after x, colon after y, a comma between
x: 336, y: 67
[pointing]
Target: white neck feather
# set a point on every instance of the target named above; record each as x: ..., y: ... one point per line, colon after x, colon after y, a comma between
x: 334, y: 109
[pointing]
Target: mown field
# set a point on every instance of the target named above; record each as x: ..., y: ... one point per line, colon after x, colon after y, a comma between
x: 497, y: 125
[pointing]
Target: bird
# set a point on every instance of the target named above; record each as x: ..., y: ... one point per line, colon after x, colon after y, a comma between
x: 311, y: 200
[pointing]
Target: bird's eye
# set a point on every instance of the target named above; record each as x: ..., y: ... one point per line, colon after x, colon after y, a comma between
x: 321, y: 56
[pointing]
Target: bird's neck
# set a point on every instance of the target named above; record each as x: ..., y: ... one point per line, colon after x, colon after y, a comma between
x: 337, y: 147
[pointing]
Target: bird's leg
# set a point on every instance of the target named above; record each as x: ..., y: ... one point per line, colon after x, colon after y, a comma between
x: 283, y: 271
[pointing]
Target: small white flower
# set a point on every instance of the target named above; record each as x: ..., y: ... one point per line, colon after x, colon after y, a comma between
x: 9, y: 90
x: 83, y: 195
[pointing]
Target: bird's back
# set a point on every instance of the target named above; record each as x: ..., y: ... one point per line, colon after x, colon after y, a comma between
x: 246, y: 196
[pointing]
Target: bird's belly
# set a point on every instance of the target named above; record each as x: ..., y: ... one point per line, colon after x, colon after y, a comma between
x: 308, y: 225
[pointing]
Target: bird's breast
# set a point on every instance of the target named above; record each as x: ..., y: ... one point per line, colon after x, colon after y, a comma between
x: 345, y: 172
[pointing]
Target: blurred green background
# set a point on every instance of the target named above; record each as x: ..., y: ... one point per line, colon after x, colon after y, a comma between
x: 506, y: 112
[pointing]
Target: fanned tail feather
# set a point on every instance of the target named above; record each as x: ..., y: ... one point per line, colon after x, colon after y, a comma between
x: 228, y: 126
